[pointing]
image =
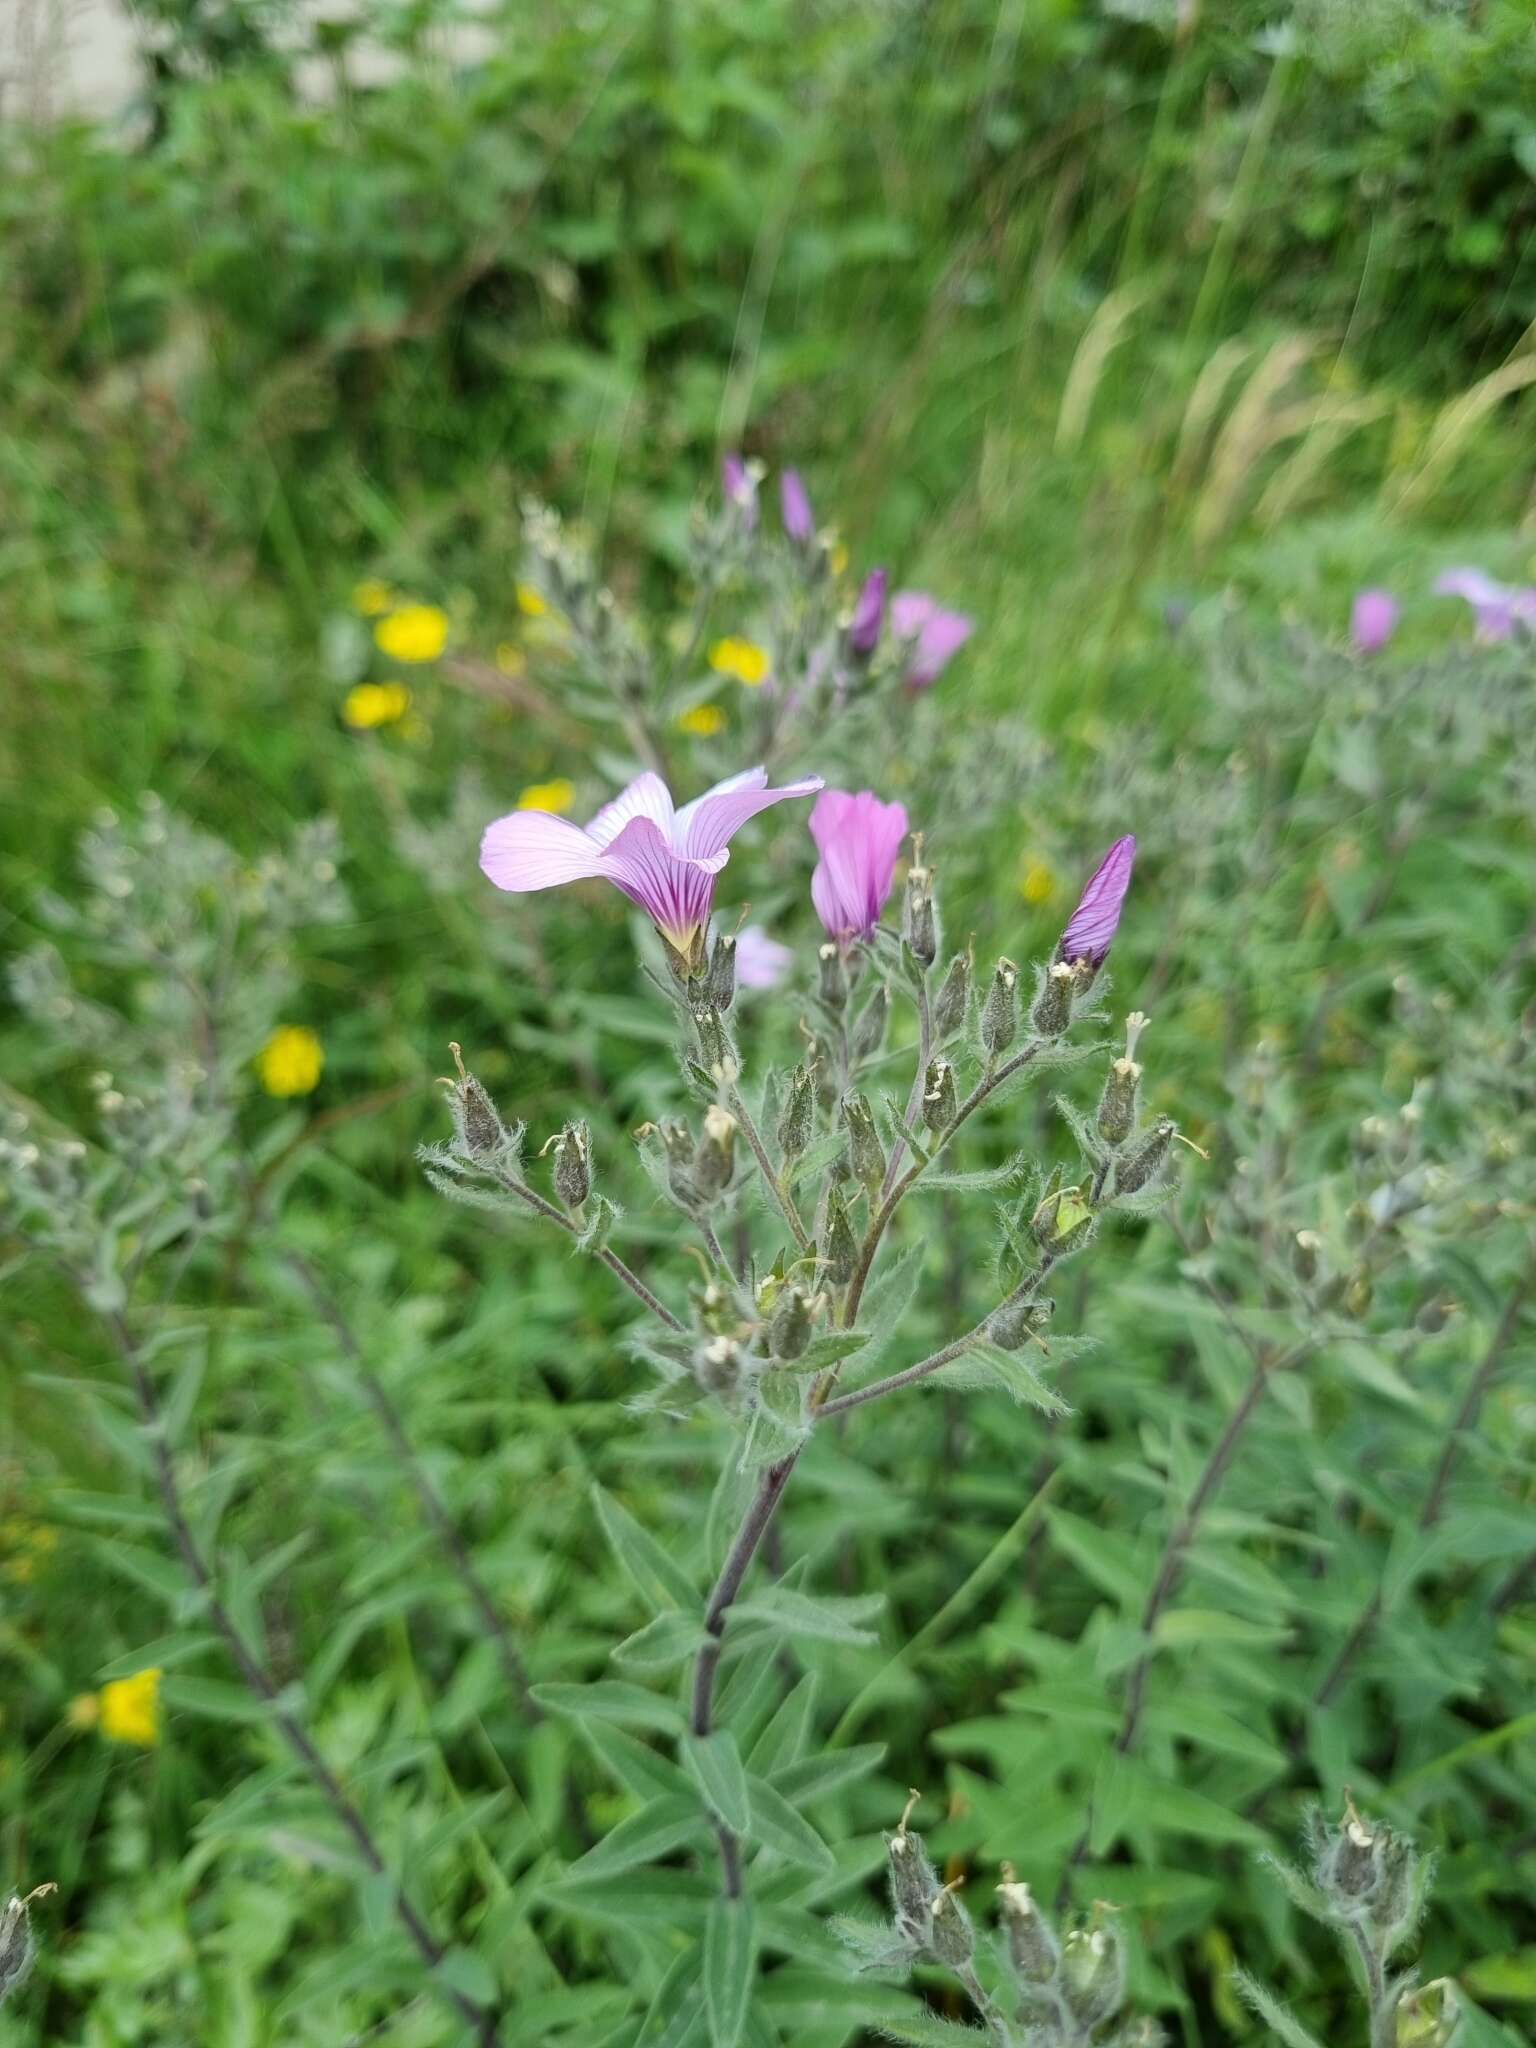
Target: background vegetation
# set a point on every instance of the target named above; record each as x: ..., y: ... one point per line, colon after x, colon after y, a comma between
x: 1148, y: 338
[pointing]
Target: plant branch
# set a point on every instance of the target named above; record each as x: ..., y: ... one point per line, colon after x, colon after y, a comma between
x: 263, y: 1684
x: 604, y: 1257
x: 774, y: 1185
x: 919, y: 1085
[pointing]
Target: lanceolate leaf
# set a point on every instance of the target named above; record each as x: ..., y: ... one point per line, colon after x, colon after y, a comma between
x: 715, y: 1765
x: 803, y: 1614
x: 663, y: 1825
x: 730, y: 1963
x: 777, y: 1826
x: 660, y: 1581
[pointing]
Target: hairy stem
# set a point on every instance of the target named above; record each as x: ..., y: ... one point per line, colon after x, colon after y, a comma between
x: 771, y: 1179
x: 604, y: 1257
x: 919, y: 1084
x: 254, y: 1671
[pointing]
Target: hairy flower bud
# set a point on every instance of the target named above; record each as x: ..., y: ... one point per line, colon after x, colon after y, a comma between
x: 16, y: 1949
x: 949, y: 1005
x: 1011, y: 1326
x: 1031, y: 1943
x: 715, y: 1158
x: 919, y: 926
x: 1053, y: 1006
x: 951, y: 1937
x: 478, y: 1130
x: 1093, y: 1974
x: 832, y: 976
x: 720, y: 988
x: 1306, y: 1247
x: 716, y: 1053
x: 1117, y: 1105
x: 939, y: 1099
x: 1142, y: 1165
x: 913, y: 1883
x: 717, y: 1366
x: 864, y: 1147
x: 840, y: 1248
x: 1434, y: 1314
x: 677, y: 1143
x: 798, y: 1116
x: 789, y: 1329
x: 1062, y: 1223
x: 1358, y: 1295
x: 868, y: 1034
x: 1000, y: 1012
x: 573, y: 1165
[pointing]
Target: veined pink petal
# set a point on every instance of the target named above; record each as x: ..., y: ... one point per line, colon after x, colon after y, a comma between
x: 676, y: 892
x: 859, y: 838
x: 534, y: 850
x: 712, y: 820
x: 1093, y: 925
x: 646, y: 797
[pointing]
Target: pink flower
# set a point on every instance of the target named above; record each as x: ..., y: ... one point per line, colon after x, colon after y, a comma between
x: 858, y: 838
x: 795, y: 504
x: 1497, y: 608
x: 868, y: 615
x: 1373, y: 620
x: 934, y: 635
x: 738, y: 479
x: 761, y: 962
x: 1091, y: 929
x: 663, y: 859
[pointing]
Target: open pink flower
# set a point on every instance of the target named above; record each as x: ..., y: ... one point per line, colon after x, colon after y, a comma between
x: 761, y: 962
x: 858, y: 838
x: 665, y: 860
x: 933, y: 635
x: 1497, y: 608
x: 795, y: 505
x: 1091, y: 929
x: 1373, y: 620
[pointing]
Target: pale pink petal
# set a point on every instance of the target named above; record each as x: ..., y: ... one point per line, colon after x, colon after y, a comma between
x: 1373, y: 620
x: 534, y: 850
x: 937, y: 645
x: 646, y: 797
x: 761, y: 962
x: 859, y: 838
x: 675, y: 892
x: 910, y: 612
x: 713, y: 819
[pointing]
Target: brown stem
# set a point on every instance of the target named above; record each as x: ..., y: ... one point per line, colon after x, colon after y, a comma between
x: 262, y: 1683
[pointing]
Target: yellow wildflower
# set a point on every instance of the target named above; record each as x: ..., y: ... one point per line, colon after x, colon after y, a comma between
x: 372, y: 704
x: 1037, y: 884
x: 370, y: 597
x: 290, y: 1061
x: 557, y: 796
x: 743, y: 659
x: 703, y: 721
x: 511, y: 660
x: 416, y: 632
x: 837, y: 558
x: 130, y: 1708
x: 530, y: 602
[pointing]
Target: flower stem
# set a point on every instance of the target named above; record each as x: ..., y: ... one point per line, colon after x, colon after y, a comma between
x: 771, y: 1179
x: 604, y: 1257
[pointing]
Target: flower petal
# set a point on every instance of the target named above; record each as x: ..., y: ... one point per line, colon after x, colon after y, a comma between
x: 646, y: 797
x: 535, y: 850
x: 910, y: 612
x: 676, y: 892
x: 1096, y: 919
x: 859, y: 838
x: 712, y: 820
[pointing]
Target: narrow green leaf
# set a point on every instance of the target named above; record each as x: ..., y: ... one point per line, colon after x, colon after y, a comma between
x: 1278, y: 2018
x: 730, y: 1964
x: 639, y: 1769
x: 777, y: 1826
x: 666, y: 1641
x: 611, y: 1699
x: 804, y: 1614
x: 655, y: 1831
x: 658, y: 1579
x: 815, y: 1777
x: 714, y: 1763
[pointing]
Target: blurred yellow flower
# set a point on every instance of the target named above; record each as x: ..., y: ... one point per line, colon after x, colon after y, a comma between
x: 1037, y: 883
x: 372, y: 704
x: 557, y: 796
x: 370, y: 597
x: 530, y: 602
x: 290, y: 1061
x: 417, y: 632
x: 511, y: 660
x: 742, y: 659
x: 26, y: 1546
x: 130, y: 1708
x: 837, y: 558
x: 703, y: 721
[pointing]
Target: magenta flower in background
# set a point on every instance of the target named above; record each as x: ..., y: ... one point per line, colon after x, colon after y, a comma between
x: 1373, y: 620
x: 868, y: 615
x: 761, y: 962
x: 738, y: 479
x: 795, y: 504
x: 1497, y: 607
x: 858, y: 838
x: 665, y: 860
x: 1091, y: 929
x: 934, y: 636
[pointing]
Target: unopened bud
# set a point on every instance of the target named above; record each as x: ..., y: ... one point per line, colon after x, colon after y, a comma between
x: 1117, y: 1105
x: 951, y: 1937
x: 840, y: 1249
x: 865, y: 1150
x: 1016, y: 1322
x: 715, y: 1158
x: 868, y: 1033
x: 1142, y: 1165
x: 1306, y: 1249
x: 919, y: 926
x: 789, y: 1330
x: 573, y: 1165
x: 16, y: 1949
x: 1358, y: 1295
x: 939, y: 1099
x: 479, y: 1132
x: 1434, y: 1315
x: 832, y: 977
x: 677, y: 1143
x: 715, y: 1049
x: 717, y: 1366
x: 913, y: 1883
x: 1062, y: 1223
x: 949, y: 1005
x: 1093, y: 1974
x: 798, y: 1116
x: 720, y: 988
x: 1000, y: 1012
x: 1053, y: 1006
x: 1031, y: 1943
x: 1429, y: 2017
